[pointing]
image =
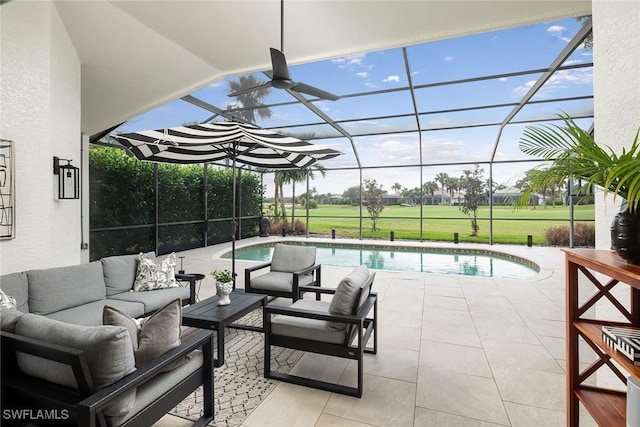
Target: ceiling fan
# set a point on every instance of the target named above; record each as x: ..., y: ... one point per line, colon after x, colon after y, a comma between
x: 280, y: 77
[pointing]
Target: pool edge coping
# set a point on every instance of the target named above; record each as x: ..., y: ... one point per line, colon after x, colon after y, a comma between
x: 541, y: 272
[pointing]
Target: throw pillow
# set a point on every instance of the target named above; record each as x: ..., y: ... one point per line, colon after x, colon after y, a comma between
x: 7, y: 301
x: 155, y: 335
x: 344, y: 300
x: 151, y: 276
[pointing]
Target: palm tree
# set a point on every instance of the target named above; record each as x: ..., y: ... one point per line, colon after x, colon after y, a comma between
x: 430, y: 187
x: 246, y: 103
x: 453, y: 185
x: 291, y: 177
x: 397, y: 187
x: 443, y: 179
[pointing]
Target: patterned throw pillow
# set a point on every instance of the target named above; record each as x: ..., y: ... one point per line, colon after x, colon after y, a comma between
x: 7, y: 301
x: 152, y: 276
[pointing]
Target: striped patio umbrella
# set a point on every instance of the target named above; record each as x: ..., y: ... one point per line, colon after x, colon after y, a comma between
x: 209, y: 142
x: 239, y: 142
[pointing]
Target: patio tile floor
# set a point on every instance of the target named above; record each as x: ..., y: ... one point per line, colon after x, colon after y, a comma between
x: 453, y: 351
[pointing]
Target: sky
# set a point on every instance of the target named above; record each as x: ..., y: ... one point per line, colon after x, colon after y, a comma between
x: 532, y: 47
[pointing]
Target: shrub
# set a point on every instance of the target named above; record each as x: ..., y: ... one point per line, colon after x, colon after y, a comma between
x: 584, y: 235
x: 299, y: 227
x: 278, y: 225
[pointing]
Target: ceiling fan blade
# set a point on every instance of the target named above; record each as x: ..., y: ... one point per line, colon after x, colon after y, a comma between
x: 279, y: 65
x: 314, y: 91
x: 251, y: 89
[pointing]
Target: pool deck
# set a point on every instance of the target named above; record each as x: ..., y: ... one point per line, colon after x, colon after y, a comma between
x: 453, y: 351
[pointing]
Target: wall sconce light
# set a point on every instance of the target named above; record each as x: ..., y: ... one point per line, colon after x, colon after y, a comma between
x: 68, y: 179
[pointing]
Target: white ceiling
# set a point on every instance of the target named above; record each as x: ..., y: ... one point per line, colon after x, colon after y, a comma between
x: 137, y: 55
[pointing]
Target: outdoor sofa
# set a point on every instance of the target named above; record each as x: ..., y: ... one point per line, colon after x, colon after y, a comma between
x: 60, y: 362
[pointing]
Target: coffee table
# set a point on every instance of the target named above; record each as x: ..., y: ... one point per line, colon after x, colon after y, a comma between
x: 207, y: 314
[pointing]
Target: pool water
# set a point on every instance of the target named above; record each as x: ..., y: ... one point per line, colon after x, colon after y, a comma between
x: 438, y: 261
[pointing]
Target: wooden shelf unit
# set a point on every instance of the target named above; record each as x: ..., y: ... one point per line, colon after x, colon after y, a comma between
x: 607, y: 407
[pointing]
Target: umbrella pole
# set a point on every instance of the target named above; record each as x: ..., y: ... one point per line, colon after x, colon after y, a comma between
x: 233, y: 220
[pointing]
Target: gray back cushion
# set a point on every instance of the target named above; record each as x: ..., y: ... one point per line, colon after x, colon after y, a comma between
x: 120, y: 272
x: 347, y: 297
x: 15, y: 285
x: 55, y: 289
x: 108, y: 349
x: 291, y: 258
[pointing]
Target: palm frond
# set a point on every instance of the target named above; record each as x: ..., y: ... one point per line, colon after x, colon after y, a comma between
x: 575, y: 154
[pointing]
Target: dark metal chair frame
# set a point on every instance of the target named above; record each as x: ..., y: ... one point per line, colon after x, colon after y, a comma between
x: 84, y: 405
x: 360, y: 329
x: 314, y: 270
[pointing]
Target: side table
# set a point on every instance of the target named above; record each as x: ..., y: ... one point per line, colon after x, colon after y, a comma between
x: 195, y: 281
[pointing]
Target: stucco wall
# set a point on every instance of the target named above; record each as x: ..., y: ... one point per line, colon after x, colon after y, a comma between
x: 40, y: 112
x: 616, y: 54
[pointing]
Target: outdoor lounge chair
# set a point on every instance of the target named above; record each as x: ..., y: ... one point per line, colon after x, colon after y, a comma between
x: 340, y: 328
x: 291, y: 266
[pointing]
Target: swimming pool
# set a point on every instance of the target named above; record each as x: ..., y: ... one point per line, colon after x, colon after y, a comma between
x: 465, y: 262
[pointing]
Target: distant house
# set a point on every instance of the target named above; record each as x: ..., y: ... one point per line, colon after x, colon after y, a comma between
x: 391, y: 199
x: 506, y: 196
x: 439, y: 198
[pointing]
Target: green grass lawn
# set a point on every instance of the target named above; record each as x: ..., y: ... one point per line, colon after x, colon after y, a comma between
x: 440, y: 222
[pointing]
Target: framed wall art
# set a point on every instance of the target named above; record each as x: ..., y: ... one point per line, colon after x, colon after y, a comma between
x: 7, y: 190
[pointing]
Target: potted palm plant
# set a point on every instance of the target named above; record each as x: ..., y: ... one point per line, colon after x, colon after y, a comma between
x: 224, y: 285
x: 573, y: 153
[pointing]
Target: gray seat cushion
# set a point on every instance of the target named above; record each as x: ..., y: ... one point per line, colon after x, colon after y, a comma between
x: 292, y: 258
x: 155, y: 388
x: 90, y: 314
x: 56, y: 289
x: 298, y: 327
x: 16, y: 285
x: 108, y: 349
x: 153, y: 300
x: 279, y: 281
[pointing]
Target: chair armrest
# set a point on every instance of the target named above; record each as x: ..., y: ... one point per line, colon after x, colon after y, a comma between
x: 315, y: 271
x: 308, y: 270
x: 316, y: 289
x: 313, y: 314
x: 148, y: 371
x: 249, y: 270
x: 258, y: 267
x: 74, y: 358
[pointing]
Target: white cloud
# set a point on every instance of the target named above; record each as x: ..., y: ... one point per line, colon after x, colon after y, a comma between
x: 556, y: 29
x: 349, y: 62
x: 363, y: 74
x: 390, y: 79
x: 560, y: 80
x: 522, y: 90
x: 448, y: 58
x: 573, y: 61
x: 503, y: 79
